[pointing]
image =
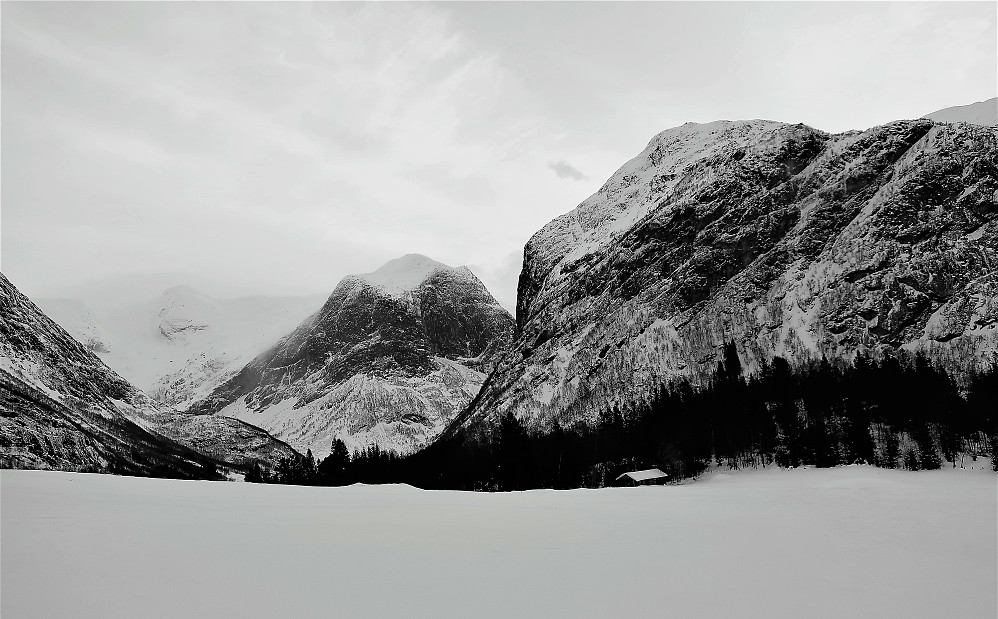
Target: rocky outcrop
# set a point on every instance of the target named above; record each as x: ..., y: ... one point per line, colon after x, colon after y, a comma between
x: 61, y: 407
x: 389, y: 360
x: 784, y: 239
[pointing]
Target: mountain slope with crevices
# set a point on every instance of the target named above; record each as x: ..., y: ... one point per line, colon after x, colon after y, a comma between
x: 781, y: 238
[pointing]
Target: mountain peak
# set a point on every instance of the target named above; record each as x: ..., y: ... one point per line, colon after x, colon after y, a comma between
x: 389, y: 360
x: 403, y: 274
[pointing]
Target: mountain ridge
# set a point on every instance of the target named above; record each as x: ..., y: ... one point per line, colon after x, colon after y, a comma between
x: 791, y: 241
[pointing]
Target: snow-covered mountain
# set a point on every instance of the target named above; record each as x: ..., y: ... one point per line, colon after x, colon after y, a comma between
x: 389, y: 360
x: 784, y: 239
x: 981, y: 113
x: 62, y: 407
x: 182, y: 344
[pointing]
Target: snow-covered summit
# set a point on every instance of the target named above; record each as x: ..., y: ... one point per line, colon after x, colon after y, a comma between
x: 402, y: 275
x: 981, y: 113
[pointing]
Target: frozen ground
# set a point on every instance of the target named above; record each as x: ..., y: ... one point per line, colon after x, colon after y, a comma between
x: 846, y: 542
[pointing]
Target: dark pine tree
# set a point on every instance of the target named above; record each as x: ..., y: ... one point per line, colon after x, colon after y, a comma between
x: 512, y: 458
x: 254, y: 475
x: 332, y: 471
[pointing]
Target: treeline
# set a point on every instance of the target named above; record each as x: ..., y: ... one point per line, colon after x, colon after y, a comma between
x: 893, y: 413
x: 339, y: 468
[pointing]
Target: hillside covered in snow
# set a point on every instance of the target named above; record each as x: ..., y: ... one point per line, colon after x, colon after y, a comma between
x: 983, y: 113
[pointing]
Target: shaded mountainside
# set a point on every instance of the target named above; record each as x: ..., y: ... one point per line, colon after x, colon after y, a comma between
x: 786, y: 240
x: 389, y: 360
x: 63, y: 408
x: 38, y: 432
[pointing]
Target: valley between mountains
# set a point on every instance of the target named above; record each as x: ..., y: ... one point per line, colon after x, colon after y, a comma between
x: 720, y: 254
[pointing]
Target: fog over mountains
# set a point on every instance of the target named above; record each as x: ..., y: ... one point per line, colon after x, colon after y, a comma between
x: 160, y: 343
x: 62, y: 408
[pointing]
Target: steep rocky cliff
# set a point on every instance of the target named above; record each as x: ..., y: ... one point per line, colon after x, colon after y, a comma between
x: 784, y: 239
x: 61, y: 407
x: 389, y: 360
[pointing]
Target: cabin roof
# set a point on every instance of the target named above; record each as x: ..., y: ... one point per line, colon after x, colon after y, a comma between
x: 643, y: 475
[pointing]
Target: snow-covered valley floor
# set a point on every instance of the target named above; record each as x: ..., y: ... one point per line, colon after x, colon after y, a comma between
x: 846, y: 542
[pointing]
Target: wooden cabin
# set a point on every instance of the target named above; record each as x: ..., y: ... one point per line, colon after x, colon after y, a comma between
x: 647, y: 477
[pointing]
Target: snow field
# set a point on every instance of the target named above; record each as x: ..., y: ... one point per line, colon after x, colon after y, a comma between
x: 846, y: 542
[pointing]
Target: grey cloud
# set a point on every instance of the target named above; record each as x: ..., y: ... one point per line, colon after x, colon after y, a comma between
x: 565, y: 170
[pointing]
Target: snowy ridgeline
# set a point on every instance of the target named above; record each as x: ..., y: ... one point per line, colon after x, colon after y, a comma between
x: 844, y: 542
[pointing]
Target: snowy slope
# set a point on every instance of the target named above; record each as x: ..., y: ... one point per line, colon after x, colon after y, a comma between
x: 394, y: 410
x: 980, y: 113
x: 390, y: 359
x: 824, y: 543
x: 403, y: 275
x: 182, y: 344
x: 781, y: 238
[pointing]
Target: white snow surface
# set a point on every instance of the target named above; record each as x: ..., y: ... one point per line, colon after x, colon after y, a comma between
x: 980, y: 113
x: 846, y: 542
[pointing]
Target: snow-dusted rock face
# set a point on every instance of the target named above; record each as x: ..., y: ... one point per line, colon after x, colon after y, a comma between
x: 390, y: 359
x: 781, y: 238
x: 61, y: 407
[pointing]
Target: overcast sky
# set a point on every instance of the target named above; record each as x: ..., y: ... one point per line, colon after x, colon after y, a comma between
x: 275, y: 147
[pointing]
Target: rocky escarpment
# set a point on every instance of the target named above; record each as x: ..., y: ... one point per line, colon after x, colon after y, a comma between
x: 389, y: 360
x: 61, y: 407
x: 784, y: 239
